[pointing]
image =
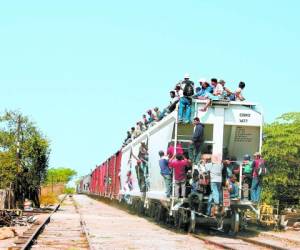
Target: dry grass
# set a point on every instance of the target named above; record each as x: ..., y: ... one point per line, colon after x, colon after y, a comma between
x: 49, y: 199
x: 50, y: 193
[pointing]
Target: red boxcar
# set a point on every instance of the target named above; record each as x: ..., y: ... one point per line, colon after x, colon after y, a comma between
x: 116, y: 179
x: 105, y: 179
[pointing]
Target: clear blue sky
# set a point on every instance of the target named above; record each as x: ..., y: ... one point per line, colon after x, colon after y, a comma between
x: 85, y: 71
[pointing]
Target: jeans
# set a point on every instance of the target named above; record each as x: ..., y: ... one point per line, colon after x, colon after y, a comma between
x: 168, y: 184
x: 162, y: 114
x: 194, y: 152
x: 184, y: 103
x: 234, y: 193
x: 255, y: 189
x: 178, y: 185
x: 215, y: 195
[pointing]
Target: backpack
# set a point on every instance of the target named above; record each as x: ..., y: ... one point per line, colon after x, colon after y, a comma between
x: 188, y: 89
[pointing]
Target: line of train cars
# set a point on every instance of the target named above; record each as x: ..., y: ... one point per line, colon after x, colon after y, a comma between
x: 231, y: 129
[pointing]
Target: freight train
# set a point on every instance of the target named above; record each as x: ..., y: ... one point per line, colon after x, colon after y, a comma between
x: 231, y: 129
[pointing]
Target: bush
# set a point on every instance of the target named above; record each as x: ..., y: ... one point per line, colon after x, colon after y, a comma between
x: 281, y: 149
x: 69, y: 190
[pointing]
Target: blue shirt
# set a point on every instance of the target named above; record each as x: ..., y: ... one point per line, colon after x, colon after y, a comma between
x: 203, y: 92
x: 164, y: 167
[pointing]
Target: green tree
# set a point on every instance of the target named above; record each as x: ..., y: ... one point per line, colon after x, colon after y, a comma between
x: 24, y: 155
x: 281, y: 149
x: 60, y: 175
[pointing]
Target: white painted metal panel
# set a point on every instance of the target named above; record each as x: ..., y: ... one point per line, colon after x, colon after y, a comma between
x: 158, y: 140
x: 125, y: 167
x: 234, y: 115
x: 242, y: 140
x: 243, y: 116
x: 86, y: 183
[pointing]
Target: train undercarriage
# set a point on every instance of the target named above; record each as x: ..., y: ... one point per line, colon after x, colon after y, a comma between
x: 189, y: 213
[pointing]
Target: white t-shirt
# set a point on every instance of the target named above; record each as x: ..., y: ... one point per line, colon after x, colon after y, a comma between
x: 218, y: 90
x: 174, y: 99
x: 239, y: 95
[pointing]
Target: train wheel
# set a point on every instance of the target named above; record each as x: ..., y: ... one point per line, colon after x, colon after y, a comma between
x: 180, y: 221
x: 140, y: 207
x: 176, y: 217
x: 235, y: 222
x: 153, y: 210
x: 158, y: 213
x: 192, y: 222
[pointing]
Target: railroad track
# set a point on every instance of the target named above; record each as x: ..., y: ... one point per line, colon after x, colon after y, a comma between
x: 241, y: 241
x: 62, y: 229
x: 236, y: 243
x: 247, y: 240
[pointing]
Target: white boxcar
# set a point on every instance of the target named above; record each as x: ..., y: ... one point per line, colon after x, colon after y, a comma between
x: 84, y: 184
x: 232, y: 129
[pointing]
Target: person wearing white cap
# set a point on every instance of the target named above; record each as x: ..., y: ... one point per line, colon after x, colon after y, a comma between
x: 185, y: 102
x: 186, y: 76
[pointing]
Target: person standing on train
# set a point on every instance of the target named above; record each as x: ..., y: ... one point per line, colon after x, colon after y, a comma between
x: 165, y: 172
x: 185, y: 102
x: 258, y: 168
x: 171, y: 148
x: 179, y: 165
x: 214, y: 168
x: 197, y: 141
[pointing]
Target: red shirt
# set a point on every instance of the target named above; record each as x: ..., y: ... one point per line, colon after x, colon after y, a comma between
x: 179, y: 169
x: 179, y: 150
x: 256, y: 165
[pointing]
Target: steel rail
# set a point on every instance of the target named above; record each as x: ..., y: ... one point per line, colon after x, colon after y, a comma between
x: 38, y: 230
x: 226, y: 245
x: 213, y: 242
x: 83, y: 225
x: 262, y: 244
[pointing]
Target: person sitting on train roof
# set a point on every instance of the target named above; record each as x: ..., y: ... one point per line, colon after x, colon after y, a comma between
x: 165, y: 172
x: 156, y: 113
x: 172, y: 105
x: 152, y: 116
x: 235, y: 96
x: 137, y: 131
x: 143, y: 126
x: 179, y: 165
x: 127, y: 139
x: 179, y: 149
x: 218, y: 92
x: 132, y: 133
x: 173, y: 101
x: 205, y: 89
x: 185, y: 102
x: 238, y: 93
x: 178, y: 92
x: 215, y: 170
x: 145, y: 121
